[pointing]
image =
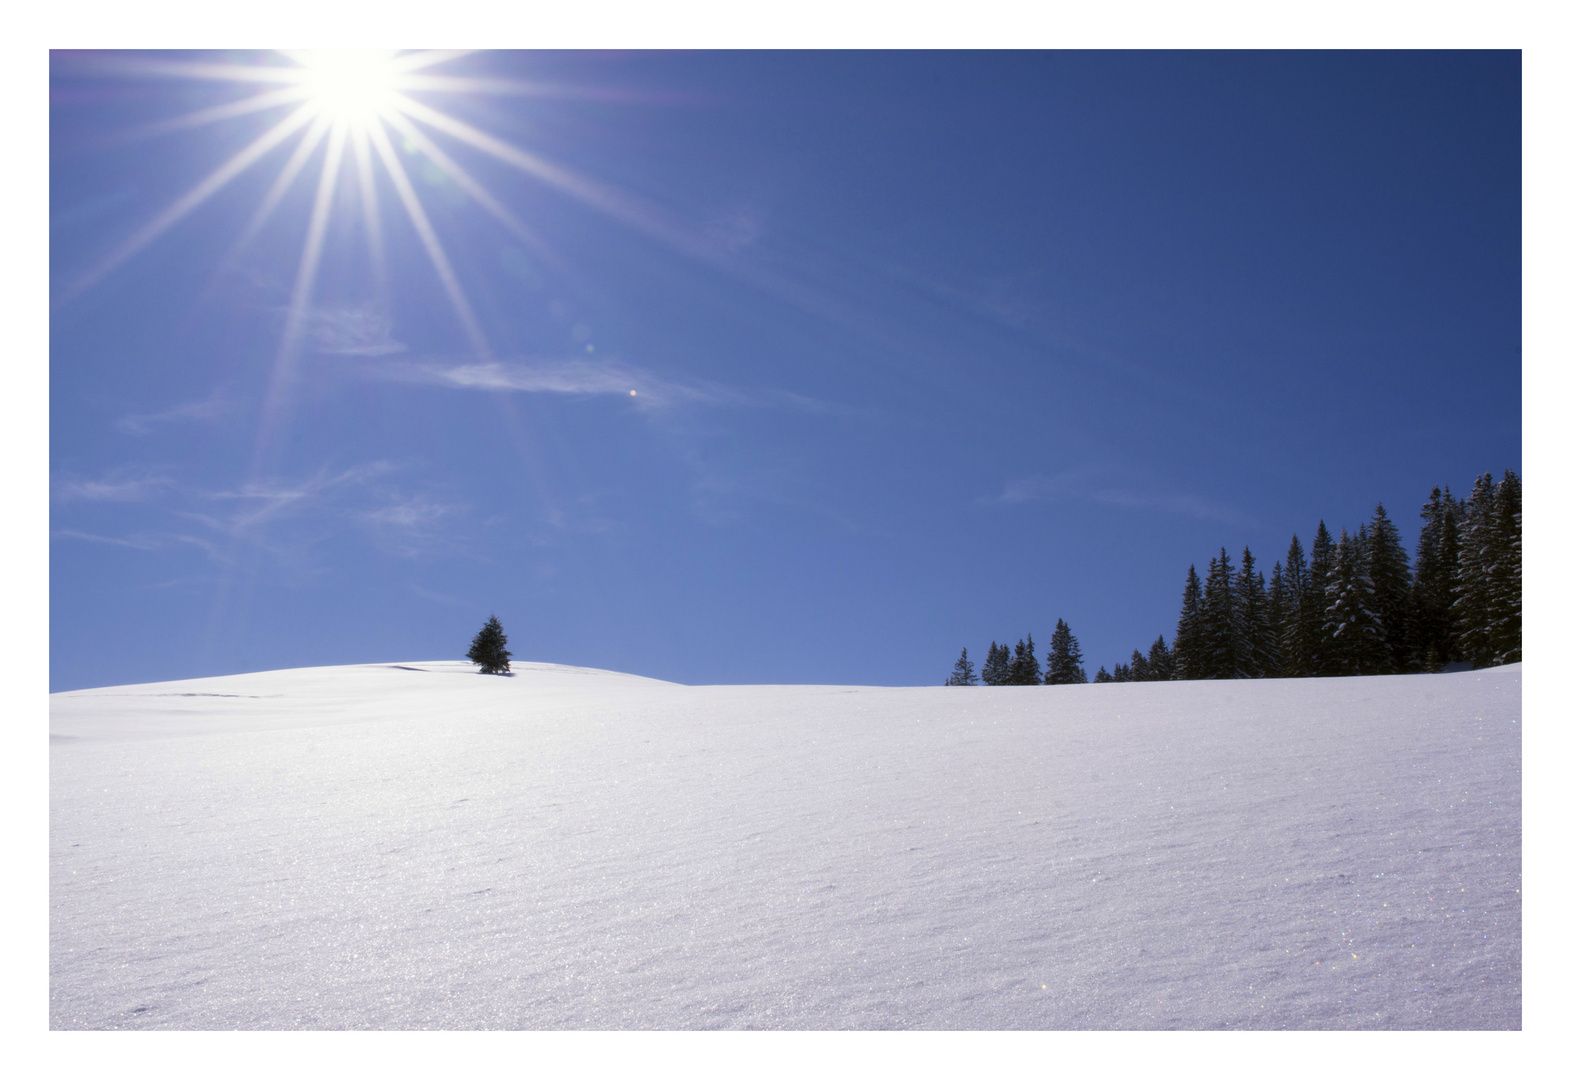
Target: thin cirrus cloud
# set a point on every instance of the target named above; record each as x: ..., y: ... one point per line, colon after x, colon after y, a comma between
x: 1108, y: 488
x: 142, y: 423
x: 275, y: 515
x: 353, y: 331
x: 121, y: 485
x: 600, y: 377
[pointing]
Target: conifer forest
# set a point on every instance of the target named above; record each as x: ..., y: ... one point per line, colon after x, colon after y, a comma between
x: 1352, y: 605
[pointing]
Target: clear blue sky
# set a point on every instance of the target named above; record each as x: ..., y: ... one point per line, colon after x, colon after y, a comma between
x: 929, y: 349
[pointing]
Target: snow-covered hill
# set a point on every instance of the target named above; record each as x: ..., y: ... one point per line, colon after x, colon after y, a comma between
x: 416, y: 845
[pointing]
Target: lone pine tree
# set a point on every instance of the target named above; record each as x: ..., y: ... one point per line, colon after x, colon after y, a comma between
x: 489, y: 649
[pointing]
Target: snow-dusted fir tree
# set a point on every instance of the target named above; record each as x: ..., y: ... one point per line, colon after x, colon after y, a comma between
x: 1322, y: 557
x: 964, y: 673
x: 1103, y: 676
x: 1024, y: 670
x: 1219, y: 622
x: 1433, y: 632
x: 1254, y: 635
x: 995, y: 670
x: 1189, y: 656
x: 1159, y: 659
x: 1063, y: 658
x: 1139, y: 667
x: 1388, y: 570
x: 1299, y: 613
x: 1505, y: 630
x: 489, y: 649
x: 1276, y: 615
x: 1472, y: 607
x: 1355, y: 639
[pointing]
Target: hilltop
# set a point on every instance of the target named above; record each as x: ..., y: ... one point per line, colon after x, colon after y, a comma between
x: 418, y: 846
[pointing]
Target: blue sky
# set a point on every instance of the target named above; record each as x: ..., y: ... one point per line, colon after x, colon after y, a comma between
x: 762, y: 367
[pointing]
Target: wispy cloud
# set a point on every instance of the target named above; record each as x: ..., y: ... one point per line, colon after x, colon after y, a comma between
x: 600, y: 377
x: 409, y: 526
x: 121, y: 485
x: 734, y: 228
x: 140, y: 543
x: 1111, y: 487
x: 284, y: 517
x: 353, y: 331
x: 263, y: 501
x: 141, y: 423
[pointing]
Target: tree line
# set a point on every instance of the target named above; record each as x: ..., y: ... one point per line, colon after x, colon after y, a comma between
x: 1356, y: 605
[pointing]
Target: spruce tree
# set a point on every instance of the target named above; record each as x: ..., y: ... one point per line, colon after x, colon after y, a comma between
x: 1063, y: 658
x: 1103, y: 676
x: 1322, y: 557
x: 1355, y: 639
x: 1189, y: 658
x: 1160, y: 661
x: 489, y: 649
x: 1219, y: 622
x: 1254, y: 634
x: 1473, y: 606
x: 995, y: 671
x: 964, y: 673
x: 1505, y: 631
x: 1139, y: 668
x: 1300, y: 614
x: 1276, y: 615
x: 1388, y: 570
x: 1433, y: 630
x: 1024, y: 669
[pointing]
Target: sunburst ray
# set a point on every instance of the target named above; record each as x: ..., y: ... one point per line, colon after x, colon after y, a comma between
x: 196, y: 196
x: 428, y: 238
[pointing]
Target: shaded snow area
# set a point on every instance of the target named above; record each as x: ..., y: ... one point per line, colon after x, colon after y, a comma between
x: 420, y: 846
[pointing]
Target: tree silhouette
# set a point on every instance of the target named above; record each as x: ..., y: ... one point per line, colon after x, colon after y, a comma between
x: 489, y: 649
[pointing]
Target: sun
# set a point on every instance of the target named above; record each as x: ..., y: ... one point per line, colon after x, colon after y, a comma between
x: 352, y: 87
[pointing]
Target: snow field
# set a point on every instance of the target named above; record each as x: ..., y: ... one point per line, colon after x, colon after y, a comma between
x: 418, y: 846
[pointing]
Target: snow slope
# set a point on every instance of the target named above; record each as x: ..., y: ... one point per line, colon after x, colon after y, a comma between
x: 419, y: 846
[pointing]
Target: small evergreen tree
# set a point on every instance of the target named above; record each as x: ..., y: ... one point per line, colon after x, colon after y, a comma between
x: 1322, y: 556
x: 1103, y: 676
x: 1388, y: 570
x: 489, y: 649
x: 1505, y: 631
x: 1219, y: 623
x: 995, y: 671
x: 1160, y: 661
x: 1355, y: 639
x: 1063, y: 658
x: 1474, y: 603
x: 1433, y: 631
x: 1188, y: 645
x: 1299, y: 613
x: 1256, y: 637
x: 1024, y: 669
x: 1276, y: 616
x: 1138, y: 668
x: 964, y: 673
